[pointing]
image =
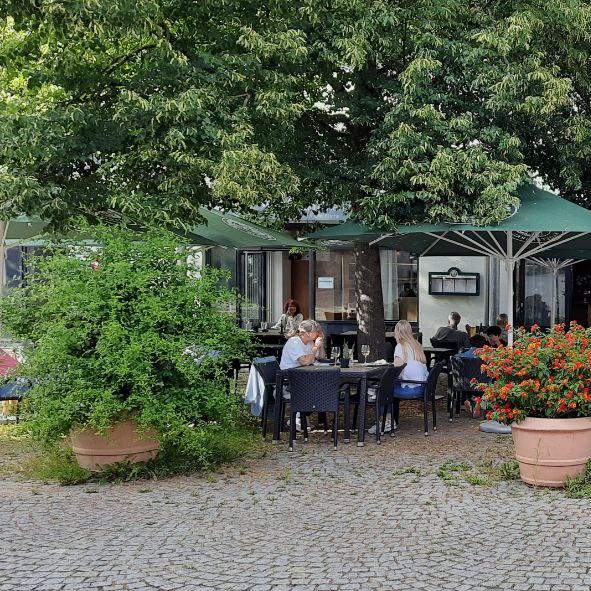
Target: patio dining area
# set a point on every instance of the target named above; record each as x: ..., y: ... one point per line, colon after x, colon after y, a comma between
x: 344, y: 398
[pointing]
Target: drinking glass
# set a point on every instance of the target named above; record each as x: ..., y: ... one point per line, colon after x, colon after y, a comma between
x: 334, y: 353
x: 365, y: 352
x: 264, y: 326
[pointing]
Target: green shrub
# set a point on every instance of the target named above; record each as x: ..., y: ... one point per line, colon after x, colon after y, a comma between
x: 110, y: 329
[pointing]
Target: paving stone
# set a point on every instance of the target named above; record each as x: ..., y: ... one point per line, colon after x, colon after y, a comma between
x: 378, y: 517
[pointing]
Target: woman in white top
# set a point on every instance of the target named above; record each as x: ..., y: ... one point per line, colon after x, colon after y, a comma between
x: 410, y: 352
x: 290, y: 320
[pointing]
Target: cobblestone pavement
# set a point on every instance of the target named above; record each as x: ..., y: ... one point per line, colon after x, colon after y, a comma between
x: 379, y: 517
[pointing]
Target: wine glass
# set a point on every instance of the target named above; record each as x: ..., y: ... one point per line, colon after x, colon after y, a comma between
x: 334, y: 353
x: 365, y: 352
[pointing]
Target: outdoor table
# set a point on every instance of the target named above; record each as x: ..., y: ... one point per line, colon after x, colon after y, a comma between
x: 434, y: 351
x: 270, y: 342
x: 273, y: 336
x: 357, y: 372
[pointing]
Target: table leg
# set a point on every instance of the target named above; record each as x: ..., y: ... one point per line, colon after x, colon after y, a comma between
x: 362, y: 400
x: 277, y: 408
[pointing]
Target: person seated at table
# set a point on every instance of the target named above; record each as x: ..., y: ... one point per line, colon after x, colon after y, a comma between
x: 410, y: 352
x: 493, y: 335
x: 290, y: 319
x: 303, y: 349
x: 476, y: 342
x: 503, y: 322
x: 451, y: 332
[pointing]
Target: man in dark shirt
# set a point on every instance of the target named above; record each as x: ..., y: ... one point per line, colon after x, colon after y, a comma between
x: 451, y: 332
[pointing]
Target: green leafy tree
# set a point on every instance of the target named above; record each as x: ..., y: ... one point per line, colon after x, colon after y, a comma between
x: 397, y: 111
x: 126, y: 330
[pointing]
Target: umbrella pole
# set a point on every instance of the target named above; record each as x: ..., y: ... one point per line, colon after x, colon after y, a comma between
x: 553, y: 296
x: 510, y: 266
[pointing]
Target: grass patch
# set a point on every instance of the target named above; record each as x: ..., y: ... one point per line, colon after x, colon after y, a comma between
x: 484, y: 474
x: 203, y: 451
x: 579, y: 488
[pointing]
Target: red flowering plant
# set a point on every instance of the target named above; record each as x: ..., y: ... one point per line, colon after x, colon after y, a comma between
x: 544, y: 374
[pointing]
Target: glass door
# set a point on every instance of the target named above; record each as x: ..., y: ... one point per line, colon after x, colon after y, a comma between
x: 253, y: 286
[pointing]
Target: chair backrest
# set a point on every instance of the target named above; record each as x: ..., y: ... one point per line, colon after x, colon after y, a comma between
x: 464, y: 370
x: 314, y: 390
x: 267, y: 368
x: 445, y: 344
x: 387, y: 381
x: 433, y: 377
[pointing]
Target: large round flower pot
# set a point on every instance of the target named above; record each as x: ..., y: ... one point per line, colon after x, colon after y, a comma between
x: 121, y: 443
x: 550, y: 450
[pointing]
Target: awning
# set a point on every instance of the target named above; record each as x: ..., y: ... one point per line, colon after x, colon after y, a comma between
x: 226, y: 229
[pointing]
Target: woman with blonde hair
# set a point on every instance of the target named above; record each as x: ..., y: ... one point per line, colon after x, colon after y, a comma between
x: 410, y: 352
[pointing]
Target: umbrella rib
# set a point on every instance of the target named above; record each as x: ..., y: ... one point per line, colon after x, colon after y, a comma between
x: 484, y: 247
x: 531, y: 238
x: 495, y: 241
x: 553, y: 242
x: 433, y: 244
x: 382, y: 237
x: 490, y: 247
x: 456, y: 243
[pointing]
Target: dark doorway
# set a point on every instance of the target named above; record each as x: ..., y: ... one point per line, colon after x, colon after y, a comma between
x: 581, y: 293
x: 299, y: 285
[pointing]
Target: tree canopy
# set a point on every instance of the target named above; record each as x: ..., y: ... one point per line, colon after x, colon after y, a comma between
x: 400, y: 111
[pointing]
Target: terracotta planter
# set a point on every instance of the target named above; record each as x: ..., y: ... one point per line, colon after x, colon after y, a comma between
x: 549, y: 450
x: 121, y: 443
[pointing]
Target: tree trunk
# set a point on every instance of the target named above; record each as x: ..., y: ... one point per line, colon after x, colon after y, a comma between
x: 370, y: 301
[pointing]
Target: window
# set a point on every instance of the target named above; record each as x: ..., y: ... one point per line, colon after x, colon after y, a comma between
x: 253, y: 288
x: 399, y: 285
x: 335, y: 285
x: 537, y: 302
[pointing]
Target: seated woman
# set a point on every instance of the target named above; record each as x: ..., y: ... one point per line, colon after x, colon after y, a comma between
x: 290, y: 320
x: 410, y: 352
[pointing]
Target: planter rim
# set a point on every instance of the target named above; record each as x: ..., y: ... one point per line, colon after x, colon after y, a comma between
x: 550, y: 424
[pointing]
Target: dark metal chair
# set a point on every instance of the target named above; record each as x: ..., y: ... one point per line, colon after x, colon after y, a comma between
x: 463, y: 371
x: 427, y: 394
x: 454, y: 345
x: 268, y: 368
x: 385, y: 399
x: 313, y: 391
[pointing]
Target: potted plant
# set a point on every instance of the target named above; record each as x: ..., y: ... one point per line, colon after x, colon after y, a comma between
x: 130, y: 346
x: 542, y: 387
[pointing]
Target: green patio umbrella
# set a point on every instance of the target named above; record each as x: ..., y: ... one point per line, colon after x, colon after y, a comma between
x: 543, y: 224
x: 226, y: 229
x: 21, y: 228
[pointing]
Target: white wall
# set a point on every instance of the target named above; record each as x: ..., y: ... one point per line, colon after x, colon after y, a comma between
x: 434, y: 310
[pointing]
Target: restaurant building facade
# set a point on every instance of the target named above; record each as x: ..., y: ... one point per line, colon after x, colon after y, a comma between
x: 421, y: 290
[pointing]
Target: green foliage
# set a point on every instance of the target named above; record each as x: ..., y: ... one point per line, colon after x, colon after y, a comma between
x: 483, y: 474
x: 110, y: 330
x: 402, y: 111
x: 580, y: 487
x: 55, y: 462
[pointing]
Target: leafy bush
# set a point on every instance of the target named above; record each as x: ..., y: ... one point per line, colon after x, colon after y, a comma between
x: 545, y: 374
x: 128, y: 330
